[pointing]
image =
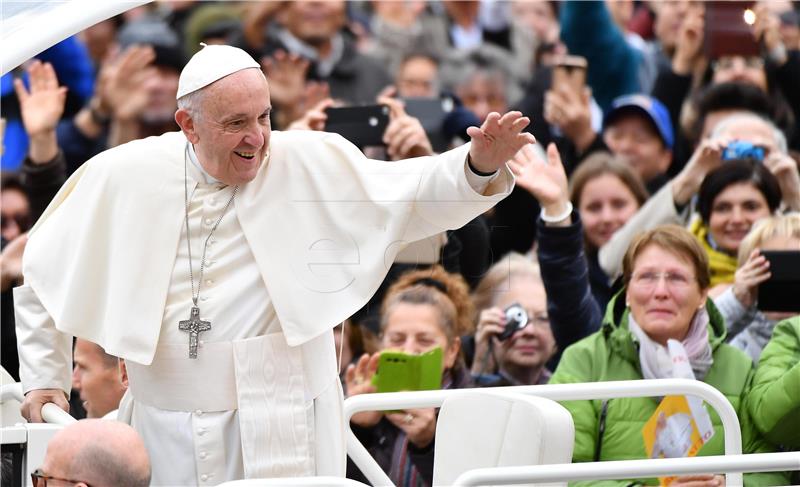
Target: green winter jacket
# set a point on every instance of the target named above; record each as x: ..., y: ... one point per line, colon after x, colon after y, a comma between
x: 612, y: 354
x: 774, y: 401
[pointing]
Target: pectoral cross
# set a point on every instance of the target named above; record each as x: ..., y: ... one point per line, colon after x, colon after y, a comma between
x: 194, y: 325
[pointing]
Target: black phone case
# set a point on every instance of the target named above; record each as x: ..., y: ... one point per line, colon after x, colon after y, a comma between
x: 782, y: 291
x: 361, y: 125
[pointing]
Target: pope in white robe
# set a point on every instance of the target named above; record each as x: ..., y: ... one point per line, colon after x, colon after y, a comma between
x: 294, y: 232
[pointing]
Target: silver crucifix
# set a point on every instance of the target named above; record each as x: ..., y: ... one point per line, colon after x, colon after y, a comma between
x: 194, y: 325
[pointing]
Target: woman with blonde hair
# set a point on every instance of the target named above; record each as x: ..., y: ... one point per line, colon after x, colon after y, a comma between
x: 748, y: 328
x: 517, y: 356
x: 422, y: 310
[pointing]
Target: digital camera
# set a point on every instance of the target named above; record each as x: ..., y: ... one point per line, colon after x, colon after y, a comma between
x: 740, y: 149
x: 516, y: 319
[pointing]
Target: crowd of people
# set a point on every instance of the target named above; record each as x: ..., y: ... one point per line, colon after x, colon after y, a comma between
x: 637, y: 225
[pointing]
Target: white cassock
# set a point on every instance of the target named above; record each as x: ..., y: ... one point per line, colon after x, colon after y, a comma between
x: 263, y: 397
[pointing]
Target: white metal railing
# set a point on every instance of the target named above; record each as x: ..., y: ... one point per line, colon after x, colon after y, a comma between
x: 11, y: 391
x: 557, y: 392
x: 632, y: 469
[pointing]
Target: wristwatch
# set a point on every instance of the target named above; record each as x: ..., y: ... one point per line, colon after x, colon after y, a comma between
x: 97, y: 114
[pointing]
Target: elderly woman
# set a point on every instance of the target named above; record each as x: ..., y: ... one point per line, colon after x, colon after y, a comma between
x: 521, y: 357
x: 423, y: 310
x: 666, y: 276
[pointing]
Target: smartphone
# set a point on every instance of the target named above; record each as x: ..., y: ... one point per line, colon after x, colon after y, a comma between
x: 570, y: 71
x: 781, y: 292
x: 431, y: 113
x: 728, y: 30
x: 362, y: 125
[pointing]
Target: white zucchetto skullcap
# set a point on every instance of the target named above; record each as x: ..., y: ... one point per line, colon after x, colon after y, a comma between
x: 210, y: 64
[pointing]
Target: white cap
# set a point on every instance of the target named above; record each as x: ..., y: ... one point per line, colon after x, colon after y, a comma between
x: 210, y: 64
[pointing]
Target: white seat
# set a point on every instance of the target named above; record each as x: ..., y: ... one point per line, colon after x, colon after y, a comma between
x: 484, y: 428
x: 299, y: 481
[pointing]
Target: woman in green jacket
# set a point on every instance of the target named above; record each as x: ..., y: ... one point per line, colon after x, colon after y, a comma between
x: 774, y: 401
x: 666, y: 277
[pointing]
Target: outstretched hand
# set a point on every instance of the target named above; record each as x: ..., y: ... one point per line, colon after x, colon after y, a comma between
x: 497, y: 140
x: 42, y: 106
x: 545, y: 180
x: 358, y: 380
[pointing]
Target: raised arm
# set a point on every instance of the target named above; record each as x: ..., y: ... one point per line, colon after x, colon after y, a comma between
x: 41, y: 107
x: 571, y: 307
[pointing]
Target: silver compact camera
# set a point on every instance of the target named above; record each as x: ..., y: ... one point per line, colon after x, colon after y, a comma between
x: 516, y: 319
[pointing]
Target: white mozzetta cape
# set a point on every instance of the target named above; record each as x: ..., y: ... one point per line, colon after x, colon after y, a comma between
x: 323, y: 222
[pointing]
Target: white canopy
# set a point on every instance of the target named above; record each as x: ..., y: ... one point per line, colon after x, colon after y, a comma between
x: 29, y: 27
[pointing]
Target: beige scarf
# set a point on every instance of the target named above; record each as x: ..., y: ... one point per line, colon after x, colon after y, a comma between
x: 655, y: 359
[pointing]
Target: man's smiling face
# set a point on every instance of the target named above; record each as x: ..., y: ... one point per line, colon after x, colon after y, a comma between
x: 231, y: 133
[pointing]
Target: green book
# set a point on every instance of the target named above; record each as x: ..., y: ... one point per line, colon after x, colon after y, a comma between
x: 398, y: 371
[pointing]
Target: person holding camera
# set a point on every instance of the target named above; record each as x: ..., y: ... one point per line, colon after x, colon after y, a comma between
x: 513, y: 339
x: 672, y: 203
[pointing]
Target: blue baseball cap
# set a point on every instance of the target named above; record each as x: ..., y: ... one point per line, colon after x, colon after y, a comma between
x: 652, y: 109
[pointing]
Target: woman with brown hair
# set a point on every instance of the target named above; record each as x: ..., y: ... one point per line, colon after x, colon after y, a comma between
x: 422, y: 310
x: 607, y: 193
x: 662, y: 317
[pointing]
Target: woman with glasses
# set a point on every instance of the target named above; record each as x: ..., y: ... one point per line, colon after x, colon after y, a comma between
x: 512, y: 348
x: 662, y: 313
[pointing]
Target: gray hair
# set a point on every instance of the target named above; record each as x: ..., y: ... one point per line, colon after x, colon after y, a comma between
x: 95, y: 462
x: 191, y: 102
x: 733, y: 119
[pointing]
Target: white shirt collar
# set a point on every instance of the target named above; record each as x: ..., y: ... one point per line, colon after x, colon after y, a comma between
x: 202, y: 176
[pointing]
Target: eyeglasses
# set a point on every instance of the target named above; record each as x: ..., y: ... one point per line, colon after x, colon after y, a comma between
x: 649, y: 279
x: 728, y: 62
x: 39, y: 479
x: 538, y: 320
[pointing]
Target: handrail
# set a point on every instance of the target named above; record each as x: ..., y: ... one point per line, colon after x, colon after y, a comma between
x: 55, y: 415
x: 632, y: 469
x: 50, y: 412
x: 558, y: 392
